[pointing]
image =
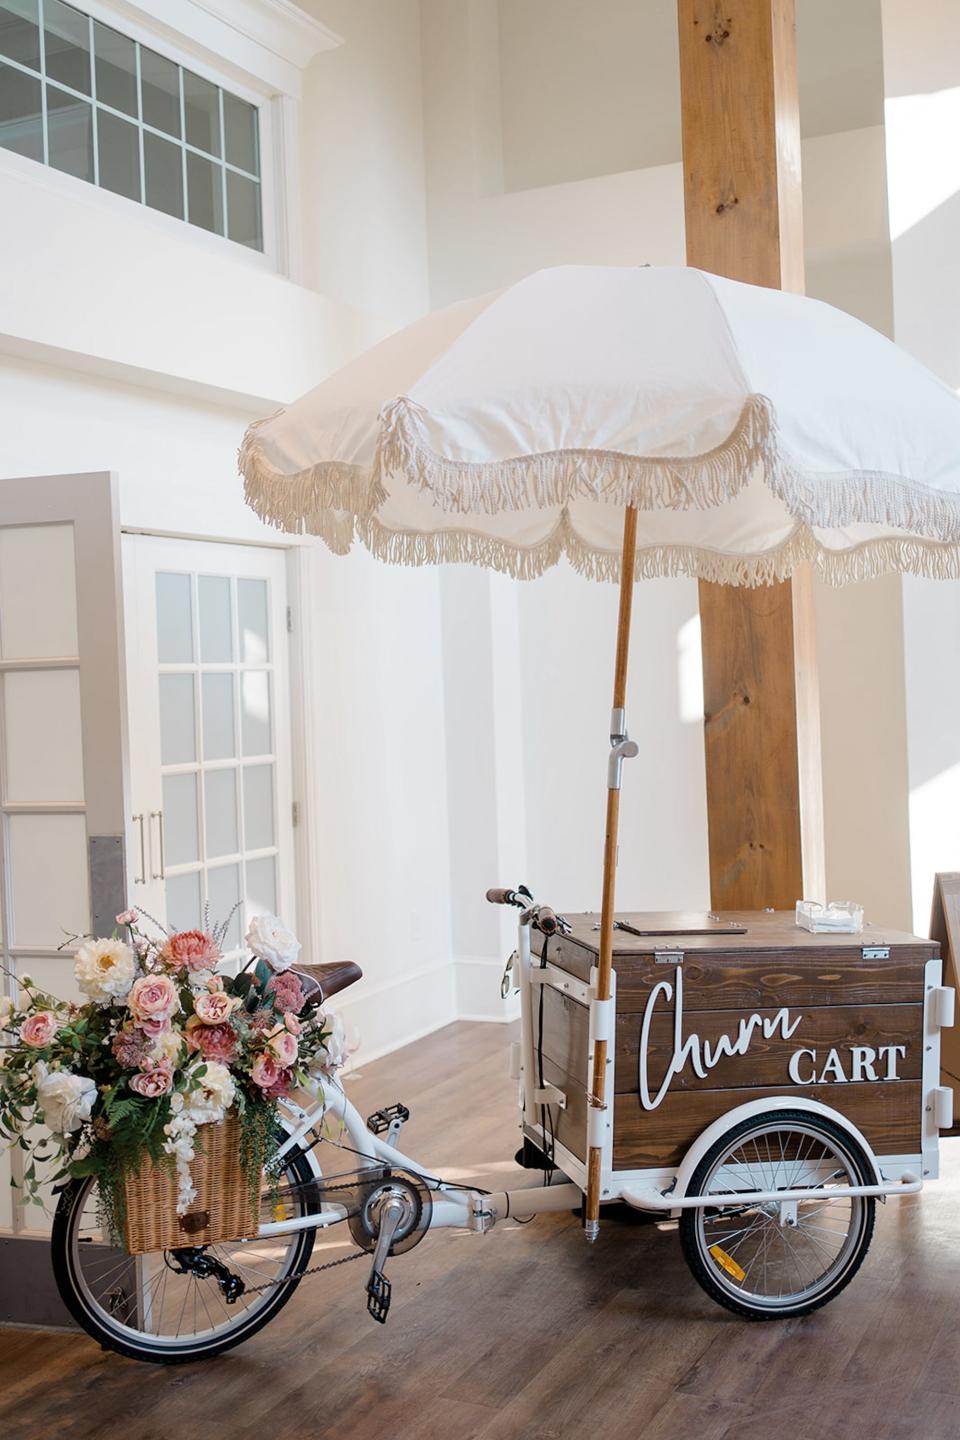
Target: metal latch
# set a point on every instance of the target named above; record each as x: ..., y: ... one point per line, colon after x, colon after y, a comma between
x: 875, y: 952
x: 668, y: 957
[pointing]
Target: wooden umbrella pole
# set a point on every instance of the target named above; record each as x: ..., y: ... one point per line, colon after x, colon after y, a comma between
x: 598, y: 1086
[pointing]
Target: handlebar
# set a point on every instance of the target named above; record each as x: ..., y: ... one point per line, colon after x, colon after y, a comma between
x: 542, y: 916
x: 520, y: 898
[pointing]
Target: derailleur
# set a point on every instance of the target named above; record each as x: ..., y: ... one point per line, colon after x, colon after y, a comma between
x: 194, y: 1260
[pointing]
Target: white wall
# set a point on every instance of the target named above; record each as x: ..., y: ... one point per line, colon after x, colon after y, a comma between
x: 362, y: 161
x: 921, y: 42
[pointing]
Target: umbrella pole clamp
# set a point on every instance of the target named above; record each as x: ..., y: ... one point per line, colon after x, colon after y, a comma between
x: 621, y: 748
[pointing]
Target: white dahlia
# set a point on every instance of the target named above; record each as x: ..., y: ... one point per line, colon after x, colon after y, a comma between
x: 104, y: 969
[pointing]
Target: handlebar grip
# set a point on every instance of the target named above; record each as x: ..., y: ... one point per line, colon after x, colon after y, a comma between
x: 501, y: 897
x: 547, y: 920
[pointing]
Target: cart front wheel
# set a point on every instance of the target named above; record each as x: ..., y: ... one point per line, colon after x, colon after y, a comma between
x: 780, y: 1259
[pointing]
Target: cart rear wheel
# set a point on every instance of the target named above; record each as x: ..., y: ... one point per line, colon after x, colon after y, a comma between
x: 751, y: 1258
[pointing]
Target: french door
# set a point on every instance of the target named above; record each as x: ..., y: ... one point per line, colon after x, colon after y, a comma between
x: 210, y: 826
x: 63, y: 731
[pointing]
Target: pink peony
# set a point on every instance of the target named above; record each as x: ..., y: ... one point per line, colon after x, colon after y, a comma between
x: 287, y: 992
x: 156, y: 1081
x: 215, y: 1042
x: 266, y: 1070
x: 153, y: 997
x: 38, y: 1029
x: 191, y: 950
x: 284, y: 1046
x: 281, y: 1087
x: 130, y: 1047
x: 214, y: 1007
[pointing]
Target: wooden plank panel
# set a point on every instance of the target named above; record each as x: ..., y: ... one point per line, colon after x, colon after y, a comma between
x: 766, y: 1063
x: 887, y: 1113
x: 751, y: 982
x: 566, y: 1039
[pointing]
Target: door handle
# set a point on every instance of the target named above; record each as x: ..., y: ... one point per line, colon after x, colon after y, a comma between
x: 141, y: 879
x: 160, y: 874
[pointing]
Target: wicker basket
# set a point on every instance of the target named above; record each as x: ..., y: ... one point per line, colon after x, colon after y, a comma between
x: 221, y: 1211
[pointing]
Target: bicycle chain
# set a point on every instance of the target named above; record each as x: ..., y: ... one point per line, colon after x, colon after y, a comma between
x: 302, y: 1274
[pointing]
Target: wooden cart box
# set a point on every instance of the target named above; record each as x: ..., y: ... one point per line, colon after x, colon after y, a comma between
x: 707, y: 1020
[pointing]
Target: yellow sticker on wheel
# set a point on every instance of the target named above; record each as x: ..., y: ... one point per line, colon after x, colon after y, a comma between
x: 727, y: 1262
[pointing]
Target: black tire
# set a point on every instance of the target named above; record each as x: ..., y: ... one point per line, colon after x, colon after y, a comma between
x: 709, y: 1276
x: 113, y: 1334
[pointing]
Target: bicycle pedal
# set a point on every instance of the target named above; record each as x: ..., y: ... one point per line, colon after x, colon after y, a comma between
x: 378, y: 1297
x: 388, y: 1120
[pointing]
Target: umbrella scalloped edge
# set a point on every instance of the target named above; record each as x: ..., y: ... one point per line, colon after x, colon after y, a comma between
x: 556, y: 477
x: 338, y: 502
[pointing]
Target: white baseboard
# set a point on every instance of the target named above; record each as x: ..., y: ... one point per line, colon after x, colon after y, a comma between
x: 387, y: 1016
x: 478, y: 990
x: 394, y: 1013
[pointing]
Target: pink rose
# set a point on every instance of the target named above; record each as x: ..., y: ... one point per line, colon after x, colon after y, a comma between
x: 215, y: 1042
x: 126, y: 917
x: 153, y: 1082
x: 214, y: 1007
x: 284, y: 1046
x: 153, y: 1028
x: 153, y: 997
x: 38, y: 1029
x: 191, y: 950
x: 292, y: 1023
x: 265, y: 1070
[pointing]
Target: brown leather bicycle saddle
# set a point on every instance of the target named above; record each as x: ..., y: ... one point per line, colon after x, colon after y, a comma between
x: 327, y: 979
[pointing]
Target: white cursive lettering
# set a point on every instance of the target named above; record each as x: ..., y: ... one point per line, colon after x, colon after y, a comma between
x: 702, y: 1058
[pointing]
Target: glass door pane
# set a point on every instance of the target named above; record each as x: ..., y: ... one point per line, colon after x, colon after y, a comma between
x: 214, y: 784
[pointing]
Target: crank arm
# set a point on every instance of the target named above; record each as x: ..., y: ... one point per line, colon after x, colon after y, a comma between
x: 378, y: 1286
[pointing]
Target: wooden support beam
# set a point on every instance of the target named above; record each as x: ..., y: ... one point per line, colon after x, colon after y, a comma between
x: 742, y: 206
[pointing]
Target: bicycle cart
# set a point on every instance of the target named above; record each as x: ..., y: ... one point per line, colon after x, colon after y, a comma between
x: 766, y: 1087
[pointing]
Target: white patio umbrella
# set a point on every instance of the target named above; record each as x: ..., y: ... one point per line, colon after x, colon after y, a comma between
x: 648, y: 421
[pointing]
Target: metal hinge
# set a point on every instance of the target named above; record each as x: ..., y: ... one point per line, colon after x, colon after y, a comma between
x: 668, y: 957
x: 289, y: 619
x: 875, y: 952
x: 295, y: 813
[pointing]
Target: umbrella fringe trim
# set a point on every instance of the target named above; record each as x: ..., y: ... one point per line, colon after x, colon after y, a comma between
x: 557, y: 477
x: 864, y: 497
x: 321, y: 500
x: 864, y: 562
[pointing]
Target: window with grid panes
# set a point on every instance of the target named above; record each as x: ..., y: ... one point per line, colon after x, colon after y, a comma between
x: 86, y: 99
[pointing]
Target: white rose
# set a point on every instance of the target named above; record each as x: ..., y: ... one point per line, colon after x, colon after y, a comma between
x: 335, y: 1046
x: 7, y: 1008
x: 214, y: 1096
x: 104, y: 969
x: 270, y: 940
x: 66, y: 1100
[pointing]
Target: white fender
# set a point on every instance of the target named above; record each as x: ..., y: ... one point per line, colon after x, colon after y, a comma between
x: 749, y: 1111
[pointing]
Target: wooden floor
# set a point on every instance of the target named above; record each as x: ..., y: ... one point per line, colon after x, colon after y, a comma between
x: 528, y: 1332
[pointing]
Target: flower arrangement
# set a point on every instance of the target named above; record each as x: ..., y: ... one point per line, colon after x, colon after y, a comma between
x: 165, y: 1044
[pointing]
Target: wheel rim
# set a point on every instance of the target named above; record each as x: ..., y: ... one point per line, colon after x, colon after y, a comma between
x: 146, y: 1301
x: 747, y: 1251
